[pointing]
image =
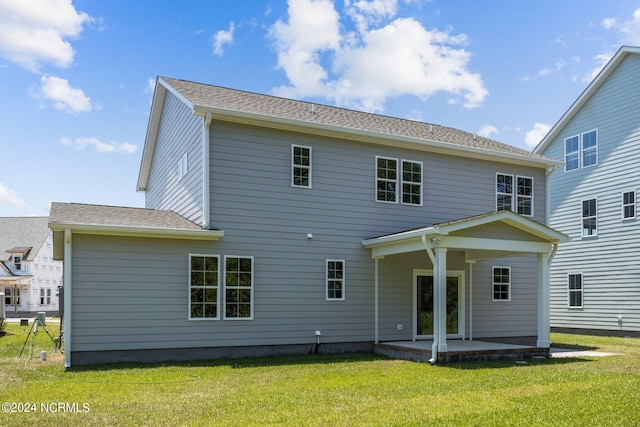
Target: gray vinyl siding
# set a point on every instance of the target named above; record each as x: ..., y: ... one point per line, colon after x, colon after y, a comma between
x: 180, y: 132
x: 608, y: 262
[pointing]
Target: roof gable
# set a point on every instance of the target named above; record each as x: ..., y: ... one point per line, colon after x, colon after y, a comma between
x: 584, y: 97
x: 300, y: 116
x: 22, y: 235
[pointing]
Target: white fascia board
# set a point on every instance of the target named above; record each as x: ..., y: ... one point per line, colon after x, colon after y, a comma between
x: 165, y: 233
x: 370, y: 137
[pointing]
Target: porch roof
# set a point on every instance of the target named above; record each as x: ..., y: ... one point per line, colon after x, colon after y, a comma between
x: 491, y: 235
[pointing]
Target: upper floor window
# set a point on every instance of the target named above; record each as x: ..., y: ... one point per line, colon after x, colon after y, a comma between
x: 409, y: 192
x: 204, y: 278
x: 300, y: 166
x: 501, y: 283
x: 411, y: 182
x: 589, y: 218
x: 629, y: 205
x: 575, y: 290
x: 581, y: 151
x: 17, y: 263
x: 514, y: 194
x: 386, y: 179
x: 183, y: 166
x: 335, y: 279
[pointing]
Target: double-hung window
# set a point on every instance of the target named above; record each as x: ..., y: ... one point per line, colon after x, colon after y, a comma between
x: 335, y: 279
x: 17, y: 263
x: 398, y: 181
x: 386, y: 179
x: 589, y: 218
x: 238, y: 286
x: 300, y: 166
x: 514, y: 194
x: 629, y: 205
x: 204, y: 279
x: 581, y: 151
x: 501, y: 283
x: 575, y: 290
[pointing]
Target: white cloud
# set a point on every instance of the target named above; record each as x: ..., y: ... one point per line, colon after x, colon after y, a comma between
x: 64, y: 97
x: 36, y: 32
x: 363, y: 68
x: 99, y: 146
x: 608, y: 23
x: 535, y: 135
x: 559, y: 65
x: 630, y: 29
x: 222, y: 38
x: 9, y: 197
x: 487, y: 130
x: 601, y: 60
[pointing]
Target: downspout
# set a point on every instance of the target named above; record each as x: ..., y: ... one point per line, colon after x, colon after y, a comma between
x: 206, y: 178
x: 547, y: 195
x: 68, y: 295
x: 375, y: 302
x: 434, y: 346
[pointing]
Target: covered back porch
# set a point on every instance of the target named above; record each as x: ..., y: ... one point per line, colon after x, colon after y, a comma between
x: 496, y: 235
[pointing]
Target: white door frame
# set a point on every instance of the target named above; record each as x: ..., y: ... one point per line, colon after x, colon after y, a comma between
x: 461, y: 303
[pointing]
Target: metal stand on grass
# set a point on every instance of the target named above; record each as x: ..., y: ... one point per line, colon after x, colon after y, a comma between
x: 34, y: 329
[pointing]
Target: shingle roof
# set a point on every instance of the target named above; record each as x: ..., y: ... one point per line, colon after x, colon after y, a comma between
x: 210, y: 96
x: 24, y: 233
x: 118, y: 216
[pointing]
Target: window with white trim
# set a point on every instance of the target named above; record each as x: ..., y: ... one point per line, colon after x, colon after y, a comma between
x: 501, y: 284
x: 589, y: 218
x: 411, y: 182
x: 48, y: 296
x: 9, y: 296
x: 17, y: 263
x: 398, y: 181
x: 183, y: 166
x: 514, y: 194
x: 41, y: 296
x: 335, y: 279
x: 386, y: 179
x: 575, y: 290
x: 300, y: 166
x: 204, y: 279
x: 629, y: 205
x: 238, y: 287
x: 581, y: 151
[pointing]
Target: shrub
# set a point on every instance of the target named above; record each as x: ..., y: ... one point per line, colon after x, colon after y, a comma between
x: 2, y: 326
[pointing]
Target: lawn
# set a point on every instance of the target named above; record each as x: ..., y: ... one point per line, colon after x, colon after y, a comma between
x: 350, y: 390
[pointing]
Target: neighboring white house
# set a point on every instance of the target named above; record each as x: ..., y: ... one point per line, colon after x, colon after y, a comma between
x: 29, y: 276
x: 595, y: 279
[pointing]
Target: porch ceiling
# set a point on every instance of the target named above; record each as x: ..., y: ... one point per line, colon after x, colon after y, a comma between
x: 493, y: 235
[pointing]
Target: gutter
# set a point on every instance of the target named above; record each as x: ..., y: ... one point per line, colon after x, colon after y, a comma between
x: 167, y: 233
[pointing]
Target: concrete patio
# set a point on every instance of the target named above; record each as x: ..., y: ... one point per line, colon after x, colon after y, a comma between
x: 459, y: 351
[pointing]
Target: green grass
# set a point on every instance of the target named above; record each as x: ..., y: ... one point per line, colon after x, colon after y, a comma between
x: 353, y: 389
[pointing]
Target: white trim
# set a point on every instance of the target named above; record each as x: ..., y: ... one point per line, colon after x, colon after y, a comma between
x: 574, y: 307
x: 493, y: 284
x: 460, y: 274
x: 68, y: 296
x: 495, y: 183
x: 190, y: 286
x: 582, y: 235
x: 401, y: 180
x: 577, y: 152
x: 294, y: 166
x: 344, y: 279
x: 206, y: 174
x: 515, y: 193
x: 131, y: 231
x: 224, y: 292
x: 634, y: 204
x: 386, y: 180
x: 582, y: 134
x: 183, y: 166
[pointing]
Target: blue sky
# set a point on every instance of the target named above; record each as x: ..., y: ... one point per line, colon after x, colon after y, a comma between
x: 76, y: 76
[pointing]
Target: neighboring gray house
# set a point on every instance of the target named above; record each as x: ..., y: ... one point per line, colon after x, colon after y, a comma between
x: 595, y: 279
x: 275, y: 226
x: 29, y: 276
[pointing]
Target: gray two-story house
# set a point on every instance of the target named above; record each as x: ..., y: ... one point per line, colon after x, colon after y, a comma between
x: 595, y: 279
x: 275, y: 226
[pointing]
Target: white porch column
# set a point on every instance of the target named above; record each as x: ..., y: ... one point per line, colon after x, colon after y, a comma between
x: 440, y: 299
x: 544, y: 339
